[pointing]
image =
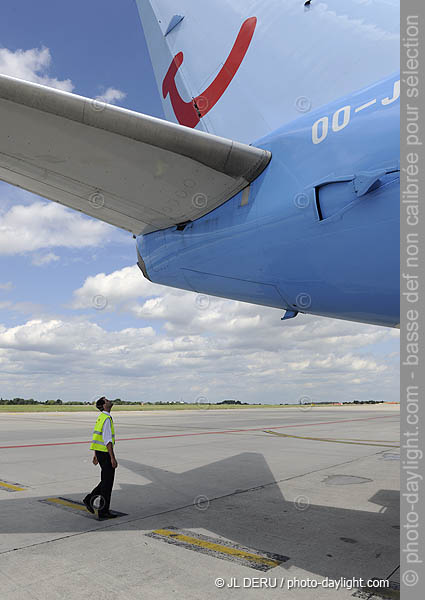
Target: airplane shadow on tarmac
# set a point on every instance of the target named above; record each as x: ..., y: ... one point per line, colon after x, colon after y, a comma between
x: 236, y: 498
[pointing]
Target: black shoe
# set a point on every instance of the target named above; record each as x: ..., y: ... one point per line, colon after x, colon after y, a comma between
x: 87, y: 502
x: 107, y: 515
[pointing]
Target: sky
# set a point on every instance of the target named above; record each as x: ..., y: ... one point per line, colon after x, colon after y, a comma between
x: 77, y: 318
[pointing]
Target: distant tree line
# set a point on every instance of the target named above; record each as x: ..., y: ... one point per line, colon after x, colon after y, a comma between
x: 365, y: 402
x: 15, y: 401
x: 232, y: 402
x: 26, y: 401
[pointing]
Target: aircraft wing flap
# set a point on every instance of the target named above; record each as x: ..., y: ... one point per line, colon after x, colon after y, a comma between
x: 131, y: 170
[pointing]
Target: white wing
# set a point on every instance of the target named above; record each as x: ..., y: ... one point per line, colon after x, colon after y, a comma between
x: 128, y: 169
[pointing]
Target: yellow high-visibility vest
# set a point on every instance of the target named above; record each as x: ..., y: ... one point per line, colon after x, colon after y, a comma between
x: 97, y: 441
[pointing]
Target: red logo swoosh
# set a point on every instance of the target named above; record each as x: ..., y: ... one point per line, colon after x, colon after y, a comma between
x: 190, y: 113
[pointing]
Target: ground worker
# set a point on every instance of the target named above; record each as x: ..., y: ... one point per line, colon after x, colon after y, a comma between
x: 103, y: 445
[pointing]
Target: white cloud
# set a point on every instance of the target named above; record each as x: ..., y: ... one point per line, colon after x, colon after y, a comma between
x: 139, y: 363
x: 121, y: 289
x: 221, y: 348
x: 31, y: 65
x: 111, y: 95
x: 34, y: 64
x: 39, y: 260
x: 46, y: 225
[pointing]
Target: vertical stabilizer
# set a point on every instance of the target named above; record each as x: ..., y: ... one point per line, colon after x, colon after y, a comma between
x: 241, y: 68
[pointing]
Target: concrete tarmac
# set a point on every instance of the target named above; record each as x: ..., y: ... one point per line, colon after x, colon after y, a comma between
x: 295, y: 496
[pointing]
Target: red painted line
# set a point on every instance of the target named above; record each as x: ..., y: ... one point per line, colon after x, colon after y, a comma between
x: 171, y: 435
x: 190, y: 113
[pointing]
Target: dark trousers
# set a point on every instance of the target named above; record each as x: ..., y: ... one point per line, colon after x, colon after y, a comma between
x: 104, y: 488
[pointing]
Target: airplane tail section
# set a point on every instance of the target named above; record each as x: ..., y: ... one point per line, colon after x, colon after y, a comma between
x: 242, y: 68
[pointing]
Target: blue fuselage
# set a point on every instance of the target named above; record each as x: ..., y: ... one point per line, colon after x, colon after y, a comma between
x: 317, y: 232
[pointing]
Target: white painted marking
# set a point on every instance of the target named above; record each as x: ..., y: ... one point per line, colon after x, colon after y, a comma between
x: 396, y: 94
x: 359, y: 108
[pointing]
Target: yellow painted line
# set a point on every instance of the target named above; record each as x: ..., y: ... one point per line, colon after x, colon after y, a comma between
x: 66, y: 503
x: 217, y: 547
x: 10, y: 486
x: 333, y: 440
